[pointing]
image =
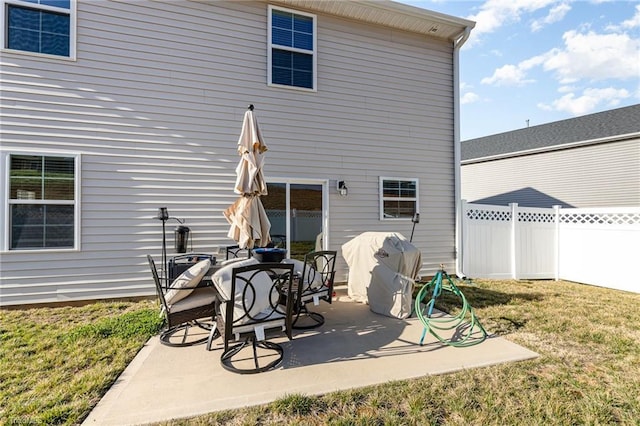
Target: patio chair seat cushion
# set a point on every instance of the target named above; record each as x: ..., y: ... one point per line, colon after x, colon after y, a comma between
x: 312, y: 276
x: 199, y: 297
x: 186, y: 282
x: 276, y: 320
x: 262, y: 284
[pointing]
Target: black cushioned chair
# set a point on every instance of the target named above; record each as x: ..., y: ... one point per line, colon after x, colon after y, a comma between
x: 184, y: 304
x: 314, y: 284
x: 251, y: 309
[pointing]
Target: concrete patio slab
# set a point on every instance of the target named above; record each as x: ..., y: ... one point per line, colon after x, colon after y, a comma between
x: 354, y: 348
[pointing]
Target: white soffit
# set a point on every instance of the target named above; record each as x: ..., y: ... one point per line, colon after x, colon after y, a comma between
x: 388, y: 13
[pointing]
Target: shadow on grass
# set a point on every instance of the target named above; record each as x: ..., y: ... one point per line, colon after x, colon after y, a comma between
x: 479, y: 299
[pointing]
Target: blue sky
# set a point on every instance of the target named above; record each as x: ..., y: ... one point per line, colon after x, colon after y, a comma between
x: 543, y: 60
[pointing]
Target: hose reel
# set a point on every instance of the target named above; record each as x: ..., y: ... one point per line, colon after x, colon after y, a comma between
x: 468, y: 332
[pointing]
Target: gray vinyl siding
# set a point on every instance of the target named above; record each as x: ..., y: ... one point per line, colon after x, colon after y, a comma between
x: 154, y: 105
x: 602, y: 175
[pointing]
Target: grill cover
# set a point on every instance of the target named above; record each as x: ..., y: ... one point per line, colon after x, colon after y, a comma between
x: 383, y: 267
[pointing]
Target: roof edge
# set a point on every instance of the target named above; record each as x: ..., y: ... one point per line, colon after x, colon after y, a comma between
x: 389, y: 13
x: 608, y: 139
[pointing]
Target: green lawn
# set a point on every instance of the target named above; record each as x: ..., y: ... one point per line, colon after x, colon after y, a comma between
x: 55, y: 363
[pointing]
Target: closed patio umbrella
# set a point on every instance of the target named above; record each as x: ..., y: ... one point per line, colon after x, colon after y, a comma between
x: 249, y: 222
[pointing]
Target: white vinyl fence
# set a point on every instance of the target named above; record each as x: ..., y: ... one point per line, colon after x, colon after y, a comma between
x: 599, y: 246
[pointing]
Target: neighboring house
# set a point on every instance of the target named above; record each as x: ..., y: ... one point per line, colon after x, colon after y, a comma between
x: 588, y: 161
x: 112, y: 109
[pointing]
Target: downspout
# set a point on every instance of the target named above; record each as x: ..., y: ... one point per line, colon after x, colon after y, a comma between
x: 457, y: 44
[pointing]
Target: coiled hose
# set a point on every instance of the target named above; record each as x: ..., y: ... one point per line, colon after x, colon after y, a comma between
x: 466, y: 331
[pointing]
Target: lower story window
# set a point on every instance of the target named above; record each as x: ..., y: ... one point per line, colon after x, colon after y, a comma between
x: 398, y: 198
x: 42, y: 201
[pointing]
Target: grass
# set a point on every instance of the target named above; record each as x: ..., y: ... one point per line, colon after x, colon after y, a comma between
x: 588, y: 371
x: 56, y: 363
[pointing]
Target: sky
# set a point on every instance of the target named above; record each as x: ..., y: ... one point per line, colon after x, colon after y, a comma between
x: 531, y: 62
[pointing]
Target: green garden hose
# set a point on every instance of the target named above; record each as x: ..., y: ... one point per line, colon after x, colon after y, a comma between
x: 466, y: 330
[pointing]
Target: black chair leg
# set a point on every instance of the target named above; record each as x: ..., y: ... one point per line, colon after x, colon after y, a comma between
x: 226, y: 359
x: 167, y: 335
x: 213, y: 335
x: 316, y: 318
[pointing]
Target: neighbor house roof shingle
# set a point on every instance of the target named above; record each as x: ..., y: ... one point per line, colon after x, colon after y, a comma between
x: 616, y: 122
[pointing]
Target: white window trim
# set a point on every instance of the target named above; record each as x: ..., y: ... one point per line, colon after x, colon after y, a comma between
x: 382, y: 198
x: 4, y: 193
x: 270, y: 47
x: 72, y: 12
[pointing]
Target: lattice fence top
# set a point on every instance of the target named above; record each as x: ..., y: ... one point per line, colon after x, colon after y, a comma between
x: 629, y: 218
x: 536, y: 217
x: 484, y: 214
x: 620, y: 216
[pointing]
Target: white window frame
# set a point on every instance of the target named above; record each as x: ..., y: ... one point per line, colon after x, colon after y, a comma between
x: 5, y: 214
x: 271, y: 46
x: 72, y: 12
x: 382, y: 198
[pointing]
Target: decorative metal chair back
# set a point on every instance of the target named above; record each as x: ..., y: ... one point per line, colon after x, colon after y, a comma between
x: 315, y: 284
x: 195, y: 304
x: 159, y: 287
x: 278, y: 241
x: 256, y: 303
x: 235, y: 252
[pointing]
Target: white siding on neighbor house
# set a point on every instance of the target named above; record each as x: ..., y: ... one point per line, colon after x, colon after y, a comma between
x: 154, y: 105
x: 602, y: 175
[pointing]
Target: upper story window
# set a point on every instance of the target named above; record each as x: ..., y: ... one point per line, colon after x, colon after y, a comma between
x: 39, y: 26
x: 398, y: 198
x: 292, y: 49
x: 42, y: 201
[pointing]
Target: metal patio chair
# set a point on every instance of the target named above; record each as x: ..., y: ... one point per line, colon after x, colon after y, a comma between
x: 313, y: 285
x: 184, y: 304
x: 250, y: 310
x: 235, y: 252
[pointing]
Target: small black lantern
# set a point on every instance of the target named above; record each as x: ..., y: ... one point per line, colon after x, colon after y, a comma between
x: 181, y: 235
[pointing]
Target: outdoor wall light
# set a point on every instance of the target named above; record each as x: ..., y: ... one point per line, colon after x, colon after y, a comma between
x: 342, y: 188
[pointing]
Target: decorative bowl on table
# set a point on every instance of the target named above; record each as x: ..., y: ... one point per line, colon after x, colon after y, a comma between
x: 269, y: 254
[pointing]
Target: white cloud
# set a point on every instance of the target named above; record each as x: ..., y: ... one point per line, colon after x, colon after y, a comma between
x: 469, y: 98
x: 513, y: 75
x: 556, y: 14
x: 594, y: 57
x: 494, y: 14
x: 507, y: 75
x: 585, y: 56
x: 587, y: 102
x: 633, y: 22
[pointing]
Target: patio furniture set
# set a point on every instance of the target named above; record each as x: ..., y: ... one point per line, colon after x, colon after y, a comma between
x: 243, y: 302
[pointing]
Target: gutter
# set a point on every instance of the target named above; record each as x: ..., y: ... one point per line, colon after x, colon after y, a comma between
x: 457, y: 44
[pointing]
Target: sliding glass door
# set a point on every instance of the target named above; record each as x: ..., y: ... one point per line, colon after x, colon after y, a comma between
x: 297, y: 212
